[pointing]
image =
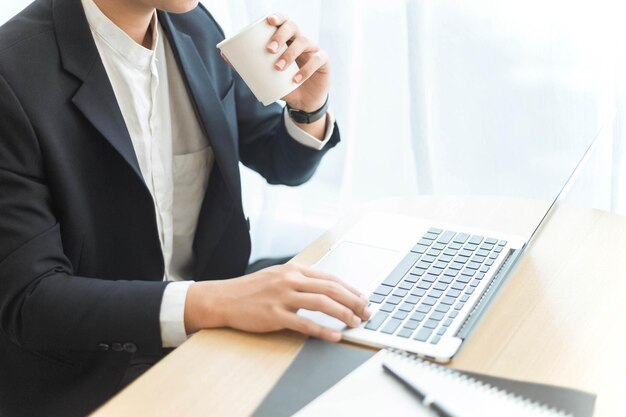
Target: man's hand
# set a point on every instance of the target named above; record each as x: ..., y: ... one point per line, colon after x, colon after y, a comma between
x: 268, y: 300
x: 314, y: 74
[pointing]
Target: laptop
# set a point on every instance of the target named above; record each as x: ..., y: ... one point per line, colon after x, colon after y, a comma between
x: 428, y: 282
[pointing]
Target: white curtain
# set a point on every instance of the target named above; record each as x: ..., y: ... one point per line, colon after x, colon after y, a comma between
x: 449, y: 97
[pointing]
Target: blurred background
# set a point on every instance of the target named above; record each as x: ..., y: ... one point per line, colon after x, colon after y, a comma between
x: 449, y: 97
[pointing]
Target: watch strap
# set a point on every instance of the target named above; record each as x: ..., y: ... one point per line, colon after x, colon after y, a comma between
x: 303, y: 117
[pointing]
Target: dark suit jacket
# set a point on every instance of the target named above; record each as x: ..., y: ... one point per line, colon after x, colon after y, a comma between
x: 81, y: 266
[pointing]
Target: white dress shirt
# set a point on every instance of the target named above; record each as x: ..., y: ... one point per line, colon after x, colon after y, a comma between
x: 174, y: 156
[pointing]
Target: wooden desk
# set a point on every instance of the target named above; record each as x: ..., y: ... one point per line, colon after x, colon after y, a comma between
x: 560, y: 319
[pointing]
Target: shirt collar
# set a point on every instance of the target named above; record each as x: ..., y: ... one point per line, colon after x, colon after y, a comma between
x: 117, y: 40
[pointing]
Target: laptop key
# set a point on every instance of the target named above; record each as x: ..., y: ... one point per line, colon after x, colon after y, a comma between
x: 445, y: 258
x: 469, y: 290
x: 430, y: 236
x: 400, y: 315
x: 473, y: 265
x: 427, y: 258
x: 446, y: 237
x: 400, y: 292
x: 482, y: 252
x: 440, y: 286
x: 429, y: 278
x: 480, y: 275
x: 431, y: 324
x: 443, y: 308
x: 440, y: 265
x: 475, y: 283
x: 411, y: 278
x: 412, y: 299
x: 423, y: 308
x: 453, y: 293
x: 419, y: 249
x: 412, y: 324
x: 433, y: 252
x: 375, y: 322
x: 435, y: 293
x: 434, y: 231
x: 458, y: 286
x: 460, y: 238
x: 441, y: 331
x: 394, y: 300
x: 435, y: 340
x: 377, y: 298
x: 406, y: 307
x: 464, y: 298
x: 468, y: 272
x: 455, y: 246
x: 478, y: 258
x: 425, y: 242
x: 459, y: 305
x: 417, y: 272
x: 423, y: 334
x: 387, y: 308
x: 424, y: 285
x: 470, y: 246
x: 417, y: 317
x: 437, y: 316
x: 439, y: 246
x: 406, y: 285
x: 429, y: 301
x: 450, y: 252
x: 445, y: 279
x: 451, y: 272
x: 463, y: 279
x: 448, y: 300
x: 475, y: 239
x: 418, y: 292
x: 447, y: 323
x: 391, y: 326
x: 401, y: 269
x: 405, y: 332
x: 434, y: 271
x: 485, y: 268
x: 422, y: 265
x: 491, y: 241
x: 383, y: 290
x: 502, y: 243
x: 453, y: 314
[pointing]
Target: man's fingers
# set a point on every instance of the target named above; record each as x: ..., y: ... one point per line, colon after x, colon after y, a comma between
x: 336, y: 293
x: 297, y: 47
x: 314, y: 273
x: 315, y: 62
x: 326, y: 305
x: 276, y: 19
x: 286, y: 31
x: 306, y: 326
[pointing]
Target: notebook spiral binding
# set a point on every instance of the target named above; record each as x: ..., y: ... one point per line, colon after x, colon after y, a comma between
x: 467, y: 380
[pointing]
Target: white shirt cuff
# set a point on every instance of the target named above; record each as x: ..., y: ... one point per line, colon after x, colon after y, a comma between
x: 172, y: 315
x: 306, y: 139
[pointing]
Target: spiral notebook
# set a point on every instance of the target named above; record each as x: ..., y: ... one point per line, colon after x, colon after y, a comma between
x: 369, y: 391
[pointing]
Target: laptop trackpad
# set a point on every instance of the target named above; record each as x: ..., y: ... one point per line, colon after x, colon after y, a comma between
x: 362, y: 266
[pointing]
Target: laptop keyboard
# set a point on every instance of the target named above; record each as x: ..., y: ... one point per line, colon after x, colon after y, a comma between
x: 429, y: 288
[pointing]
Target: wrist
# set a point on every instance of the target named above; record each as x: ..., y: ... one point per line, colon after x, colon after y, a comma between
x: 308, y: 106
x: 203, y: 309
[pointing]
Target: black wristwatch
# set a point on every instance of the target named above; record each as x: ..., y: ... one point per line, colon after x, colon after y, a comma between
x: 300, y: 116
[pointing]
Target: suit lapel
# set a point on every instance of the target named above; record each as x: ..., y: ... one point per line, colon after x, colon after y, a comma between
x: 210, y: 112
x: 95, y: 97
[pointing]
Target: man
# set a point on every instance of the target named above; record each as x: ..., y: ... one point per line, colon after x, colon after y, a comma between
x: 121, y: 225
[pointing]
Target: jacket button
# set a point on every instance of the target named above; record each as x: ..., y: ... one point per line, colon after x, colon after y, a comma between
x: 117, y: 347
x: 103, y: 347
x: 130, y: 347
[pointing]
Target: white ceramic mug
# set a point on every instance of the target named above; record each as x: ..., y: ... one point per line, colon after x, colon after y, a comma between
x: 247, y: 52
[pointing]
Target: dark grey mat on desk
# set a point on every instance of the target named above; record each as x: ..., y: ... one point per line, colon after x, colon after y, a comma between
x: 320, y: 365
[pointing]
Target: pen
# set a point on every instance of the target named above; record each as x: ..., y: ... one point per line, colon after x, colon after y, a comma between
x: 424, y: 398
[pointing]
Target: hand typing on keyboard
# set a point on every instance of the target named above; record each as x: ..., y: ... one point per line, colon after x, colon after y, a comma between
x: 269, y: 299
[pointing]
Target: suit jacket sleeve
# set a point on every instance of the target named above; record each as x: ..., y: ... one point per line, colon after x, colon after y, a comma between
x: 266, y: 147
x: 43, y: 306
